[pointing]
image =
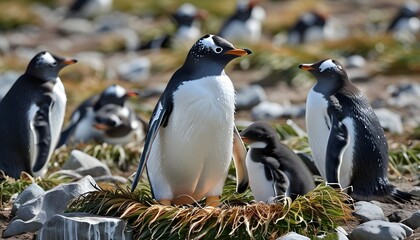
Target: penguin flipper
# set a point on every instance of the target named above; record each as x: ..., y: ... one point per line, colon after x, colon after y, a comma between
x: 160, y: 118
x: 281, y: 181
x: 239, y: 156
x: 337, y: 142
x: 42, y: 132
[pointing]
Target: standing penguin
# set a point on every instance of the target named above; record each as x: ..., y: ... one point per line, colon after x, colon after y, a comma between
x: 81, y: 127
x: 407, y: 19
x: 32, y: 114
x: 189, y: 141
x: 187, y: 20
x: 309, y: 28
x: 274, y: 169
x: 245, y: 25
x: 347, y: 141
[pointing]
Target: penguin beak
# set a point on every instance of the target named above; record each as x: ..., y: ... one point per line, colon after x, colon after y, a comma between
x: 100, y: 126
x: 239, y: 52
x: 69, y: 61
x: 246, y: 140
x: 306, y: 67
x: 133, y: 93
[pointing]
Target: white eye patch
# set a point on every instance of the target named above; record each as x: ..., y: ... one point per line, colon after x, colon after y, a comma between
x: 47, y: 58
x: 327, y: 64
x: 209, y: 43
x: 117, y: 90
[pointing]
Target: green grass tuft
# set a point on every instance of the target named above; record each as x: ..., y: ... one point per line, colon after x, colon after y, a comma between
x: 319, y: 211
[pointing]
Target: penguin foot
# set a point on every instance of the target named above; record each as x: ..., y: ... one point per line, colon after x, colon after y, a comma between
x: 212, y: 201
x: 165, y: 202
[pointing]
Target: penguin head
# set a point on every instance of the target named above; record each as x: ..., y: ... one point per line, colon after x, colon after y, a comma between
x: 214, y: 53
x: 328, y: 72
x: 46, y: 66
x: 114, y: 94
x: 187, y: 14
x: 259, y: 135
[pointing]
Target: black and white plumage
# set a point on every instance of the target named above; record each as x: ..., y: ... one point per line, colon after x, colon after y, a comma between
x: 189, y: 142
x: 187, y: 22
x: 274, y: 170
x: 32, y: 114
x: 407, y: 19
x: 105, y: 117
x: 245, y: 25
x: 346, y: 138
x: 310, y: 27
x: 89, y: 8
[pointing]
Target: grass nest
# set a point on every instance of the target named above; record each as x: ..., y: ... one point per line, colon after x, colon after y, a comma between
x: 318, y: 212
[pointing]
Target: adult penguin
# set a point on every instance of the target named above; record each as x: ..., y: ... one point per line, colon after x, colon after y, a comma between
x: 245, y: 25
x: 346, y: 138
x: 32, y: 114
x: 189, y: 142
x: 82, y: 124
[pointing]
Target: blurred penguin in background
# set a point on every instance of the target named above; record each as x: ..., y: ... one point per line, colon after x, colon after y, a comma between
x: 245, y: 25
x: 105, y: 117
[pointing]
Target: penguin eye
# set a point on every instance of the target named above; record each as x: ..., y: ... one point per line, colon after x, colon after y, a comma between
x: 53, y: 64
x: 218, y: 50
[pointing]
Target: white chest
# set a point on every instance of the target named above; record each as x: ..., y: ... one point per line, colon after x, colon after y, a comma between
x: 317, y: 125
x: 262, y: 189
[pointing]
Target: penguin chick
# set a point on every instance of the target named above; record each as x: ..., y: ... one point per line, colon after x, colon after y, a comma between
x: 189, y: 141
x: 81, y: 126
x: 274, y: 170
x: 32, y: 116
x: 347, y: 141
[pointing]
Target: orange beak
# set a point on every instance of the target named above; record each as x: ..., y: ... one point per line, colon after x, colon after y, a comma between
x: 306, y: 67
x: 239, y: 52
x: 69, y: 61
x: 100, y: 126
x: 132, y: 93
x: 245, y: 140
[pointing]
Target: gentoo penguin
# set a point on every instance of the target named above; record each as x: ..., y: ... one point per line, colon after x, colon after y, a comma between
x: 309, y: 28
x: 407, y: 19
x: 119, y: 125
x: 81, y: 127
x: 274, y: 170
x: 189, y: 141
x: 89, y: 8
x: 348, y: 143
x: 187, y: 22
x: 32, y: 116
x: 245, y: 25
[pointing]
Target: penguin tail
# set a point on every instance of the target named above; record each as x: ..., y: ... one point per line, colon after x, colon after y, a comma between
x: 395, y: 195
x: 386, y: 193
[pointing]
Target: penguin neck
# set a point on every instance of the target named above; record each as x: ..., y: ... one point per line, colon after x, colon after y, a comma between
x: 197, y: 69
x: 331, y: 86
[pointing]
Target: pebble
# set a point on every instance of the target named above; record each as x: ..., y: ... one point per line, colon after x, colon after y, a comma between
x: 84, y: 164
x: 293, y: 236
x: 413, y: 221
x: 380, y: 230
x: 249, y: 97
x: 32, y: 214
x: 367, y: 211
x: 390, y: 120
x: 78, y: 226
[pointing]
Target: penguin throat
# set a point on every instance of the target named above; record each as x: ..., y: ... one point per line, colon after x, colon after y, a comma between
x: 258, y: 145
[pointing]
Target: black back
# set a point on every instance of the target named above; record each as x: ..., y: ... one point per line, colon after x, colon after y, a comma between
x: 301, y: 179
